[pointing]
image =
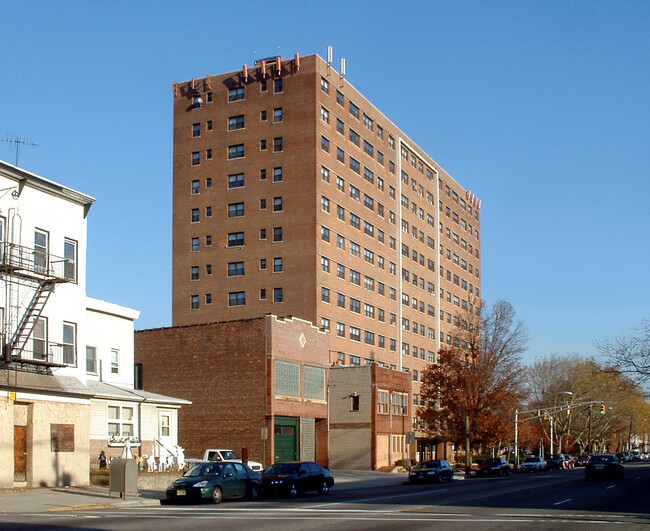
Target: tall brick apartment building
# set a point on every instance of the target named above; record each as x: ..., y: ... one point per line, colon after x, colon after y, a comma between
x: 294, y: 195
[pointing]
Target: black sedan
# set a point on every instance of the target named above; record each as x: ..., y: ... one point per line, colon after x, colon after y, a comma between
x: 435, y: 470
x: 583, y: 460
x: 215, y: 482
x: 604, y: 466
x: 496, y: 466
x: 291, y: 479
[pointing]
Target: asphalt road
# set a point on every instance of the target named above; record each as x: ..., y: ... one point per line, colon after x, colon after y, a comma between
x: 551, y: 500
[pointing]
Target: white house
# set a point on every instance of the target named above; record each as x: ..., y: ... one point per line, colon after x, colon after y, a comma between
x: 66, y: 368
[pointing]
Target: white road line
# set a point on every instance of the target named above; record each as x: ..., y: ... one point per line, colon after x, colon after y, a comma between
x: 364, y: 500
x: 563, y: 501
x: 610, y: 487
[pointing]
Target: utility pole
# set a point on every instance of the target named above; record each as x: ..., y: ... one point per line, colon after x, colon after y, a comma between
x: 590, y: 449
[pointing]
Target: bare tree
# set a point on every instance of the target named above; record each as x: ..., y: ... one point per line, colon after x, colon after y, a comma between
x: 629, y: 355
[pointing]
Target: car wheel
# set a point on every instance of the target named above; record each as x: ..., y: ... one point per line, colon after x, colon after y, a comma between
x: 508, y: 471
x: 324, y: 489
x: 293, y: 491
x: 217, y: 495
x: 502, y: 472
x: 437, y: 479
x: 253, y: 493
x: 451, y: 477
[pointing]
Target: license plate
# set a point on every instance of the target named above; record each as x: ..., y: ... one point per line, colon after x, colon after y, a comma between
x: 600, y: 467
x: 180, y: 492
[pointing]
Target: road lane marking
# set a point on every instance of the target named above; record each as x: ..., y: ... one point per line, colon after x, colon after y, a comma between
x: 364, y: 500
x: 610, y: 487
x: 563, y: 501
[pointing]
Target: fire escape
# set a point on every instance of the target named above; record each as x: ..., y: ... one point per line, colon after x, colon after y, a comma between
x: 30, y: 276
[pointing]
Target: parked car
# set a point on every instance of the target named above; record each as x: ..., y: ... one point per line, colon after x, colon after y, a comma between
x: 556, y: 461
x: 291, y: 479
x: 582, y: 460
x: 223, y: 454
x: 496, y: 466
x: 216, y: 482
x: 435, y: 470
x: 533, y: 464
x: 604, y: 465
x: 570, y: 461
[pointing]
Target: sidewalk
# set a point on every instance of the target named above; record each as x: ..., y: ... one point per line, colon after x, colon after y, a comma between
x: 47, y: 499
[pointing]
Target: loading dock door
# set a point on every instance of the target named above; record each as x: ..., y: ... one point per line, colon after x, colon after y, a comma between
x: 287, y: 438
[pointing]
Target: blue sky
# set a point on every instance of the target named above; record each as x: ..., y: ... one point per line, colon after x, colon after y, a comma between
x: 540, y: 108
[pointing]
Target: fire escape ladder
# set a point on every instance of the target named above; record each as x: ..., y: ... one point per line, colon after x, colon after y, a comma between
x: 31, y: 315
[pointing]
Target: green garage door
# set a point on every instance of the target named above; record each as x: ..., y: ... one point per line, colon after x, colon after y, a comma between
x: 287, y: 437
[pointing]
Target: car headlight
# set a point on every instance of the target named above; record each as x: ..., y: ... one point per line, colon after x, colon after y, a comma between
x: 200, y: 484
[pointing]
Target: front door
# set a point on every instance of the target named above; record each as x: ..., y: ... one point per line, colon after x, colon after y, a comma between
x: 286, y: 439
x: 20, y: 453
x: 165, y: 433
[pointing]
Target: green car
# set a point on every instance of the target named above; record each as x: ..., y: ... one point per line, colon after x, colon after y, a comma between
x: 216, y: 482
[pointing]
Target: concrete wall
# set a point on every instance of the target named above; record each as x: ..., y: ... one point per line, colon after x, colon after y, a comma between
x: 6, y: 442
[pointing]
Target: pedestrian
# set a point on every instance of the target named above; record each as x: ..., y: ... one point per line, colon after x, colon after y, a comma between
x: 102, y: 459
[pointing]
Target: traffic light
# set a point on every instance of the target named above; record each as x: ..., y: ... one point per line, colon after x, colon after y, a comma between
x: 602, y: 409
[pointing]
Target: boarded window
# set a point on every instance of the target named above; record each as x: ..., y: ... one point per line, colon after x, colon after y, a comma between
x: 287, y: 379
x: 62, y: 437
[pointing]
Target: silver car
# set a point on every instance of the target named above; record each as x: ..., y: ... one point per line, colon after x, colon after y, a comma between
x: 533, y: 464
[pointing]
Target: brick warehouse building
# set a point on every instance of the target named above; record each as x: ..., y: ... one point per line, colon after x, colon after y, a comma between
x: 294, y: 195
x: 259, y: 384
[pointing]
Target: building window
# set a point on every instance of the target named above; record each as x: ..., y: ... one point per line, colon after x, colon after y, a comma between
x: 262, y: 264
x: 314, y: 383
x: 354, y: 110
x: 236, y: 151
x: 400, y: 403
x: 325, y: 294
x: 339, y: 97
x: 70, y: 257
x: 277, y: 114
x: 195, y: 215
x: 91, y: 360
x: 236, y: 269
x: 382, y: 402
x: 196, y: 158
x: 195, y: 187
x: 340, y: 329
x: 115, y: 361
x: 235, y: 239
x: 195, y: 244
x: 262, y: 294
x: 355, y: 305
x: 277, y: 175
x: 262, y: 144
x: 325, y: 144
x: 236, y: 94
x: 355, y: 166
x: 325, y: 234
x: 277, y: 295
x: 39, y: 339
x: 236, y: 180
x: 277, y: 144
x: 278, y: 85
x: 194, y: 273
x: 235, y: 210
x: 324, y: 85
x: 208, y: 182
x: 194, y: 302
x: 355, y: 335
x: 354, y: 402
x: 236, y: 122
x: 287, y: 379
x: 277, y: 204
x: 325, y: 115
x: 340, y: 300
x: 340, y: 155
x: 120, y: 421
x: 208, y: 125
x: 277, y: 265
x: 196, y: 130
x: 325, y: 204
x: 70, y: 344
x: 277, y: 234
x: 354, y: 137
x: 263, y: 116
x: 236, y: 298
x: 262, y: 204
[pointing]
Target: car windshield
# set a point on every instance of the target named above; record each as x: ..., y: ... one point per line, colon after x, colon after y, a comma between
x: 429, y: 464
x: 211, y: 469
x: 602, y: 459
x: 283, y: 468
x: 492, y: 462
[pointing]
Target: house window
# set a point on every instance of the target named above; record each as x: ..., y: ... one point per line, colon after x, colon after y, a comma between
x: 39, y: 339
x: 382, y: 402
x: 277, y: 295
x: 41, y: 250
x: 236, y: 94
x: 236, y: 298
x: 236, y: 151
x: 69, y: 344
x: 120, y: 421
x: 236, y: 122
x: 70, y: 257
x: 236, y: 269
x: 91, y: 360
x: 115, y: 361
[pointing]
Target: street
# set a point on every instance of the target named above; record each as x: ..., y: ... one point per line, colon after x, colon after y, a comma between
x: 549, y: 500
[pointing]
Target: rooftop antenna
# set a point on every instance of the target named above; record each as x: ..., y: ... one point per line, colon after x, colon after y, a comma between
x: 342, y: 74
x: 330, y: 56
x: 18, y: 142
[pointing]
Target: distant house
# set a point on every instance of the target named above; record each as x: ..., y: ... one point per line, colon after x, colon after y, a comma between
x: 66, y: 367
